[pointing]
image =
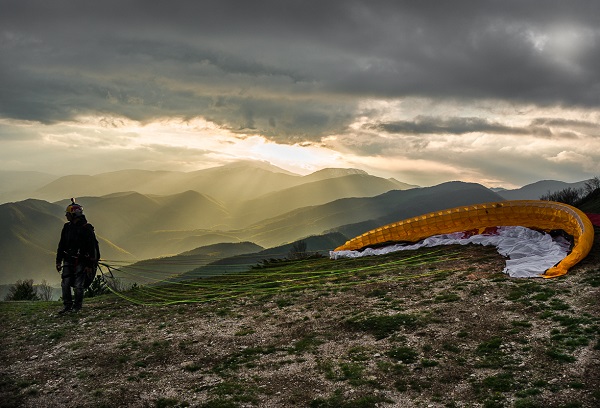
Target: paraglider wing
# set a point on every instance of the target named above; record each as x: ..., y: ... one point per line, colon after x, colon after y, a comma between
x: 539, y: 215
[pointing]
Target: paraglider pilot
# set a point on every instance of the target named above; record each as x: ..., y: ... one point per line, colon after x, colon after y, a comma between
x: 76, y: 256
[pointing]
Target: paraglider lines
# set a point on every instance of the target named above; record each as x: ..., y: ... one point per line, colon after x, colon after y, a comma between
x: 290, y: 276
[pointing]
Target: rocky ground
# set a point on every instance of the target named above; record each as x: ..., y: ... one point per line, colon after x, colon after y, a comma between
x: 456, y: 333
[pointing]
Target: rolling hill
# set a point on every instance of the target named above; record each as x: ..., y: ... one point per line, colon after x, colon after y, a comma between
x: 29, y: 239
x: 19, y: 185
x: 30, y: 234
x: 313, y: 193
x: 383, y: 209
x: 535, y: 190
x: 229, y: 183
x: 129, y: 218
x: 132, y: 226
x: 242, y: 202
x: 321, y: 244
x: 156, y: 269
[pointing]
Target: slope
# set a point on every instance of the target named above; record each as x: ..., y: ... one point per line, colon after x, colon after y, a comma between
x: 158, y: 269
x: 129, y: 219
x: 30, y: 235
x: 320, y: 244
x: 383, y: 209
x: 17, y: 185
x: 456, y: 333
x: 333, y: 172
x: 142, y: 181
x: 312, y: 193
x: 535, y: 190
x: 225, y: 183
x: 241, y: 181
x: 591, y: 203
x: 136, y: 226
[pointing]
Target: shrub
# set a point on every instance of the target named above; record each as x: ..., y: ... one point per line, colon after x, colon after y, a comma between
x: 384, y: 326
x: 97, y: 287
x: 22, y: 290
x: 405, y: 354
x: 574, y: 196
x: 298, y: 250
x: 568, y: 195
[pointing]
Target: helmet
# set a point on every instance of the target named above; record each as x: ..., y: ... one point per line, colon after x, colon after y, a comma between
x: 74, y: 208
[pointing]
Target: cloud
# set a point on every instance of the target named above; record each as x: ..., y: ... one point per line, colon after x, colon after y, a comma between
x: 454, y: 126
x: 382, y: 78
x: 143, y: 61
x: 541, y: 127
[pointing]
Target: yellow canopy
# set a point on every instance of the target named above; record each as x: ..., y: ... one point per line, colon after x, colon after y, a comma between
x: 535, y: 214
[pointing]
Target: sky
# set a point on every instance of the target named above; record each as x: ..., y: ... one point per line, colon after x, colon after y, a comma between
x: 503, y: 93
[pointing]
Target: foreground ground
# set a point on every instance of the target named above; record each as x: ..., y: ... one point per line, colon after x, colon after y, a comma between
x: 455, y: 333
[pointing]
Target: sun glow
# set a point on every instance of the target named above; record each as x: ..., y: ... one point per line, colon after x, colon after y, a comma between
x: 168, y: 144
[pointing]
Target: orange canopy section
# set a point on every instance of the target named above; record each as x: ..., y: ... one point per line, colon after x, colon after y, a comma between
x: 535, y: 214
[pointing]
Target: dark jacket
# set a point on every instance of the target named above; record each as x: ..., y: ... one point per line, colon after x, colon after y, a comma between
x: 78, y: 244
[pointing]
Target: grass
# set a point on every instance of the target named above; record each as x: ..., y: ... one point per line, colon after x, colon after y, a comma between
x: 366, y: 333
x: 338, y: 400
x: 384, y: 326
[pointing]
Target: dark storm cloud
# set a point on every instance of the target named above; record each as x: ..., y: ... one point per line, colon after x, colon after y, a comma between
x: 291, y: 70
x: 430, y: 125
x: 452, y: 126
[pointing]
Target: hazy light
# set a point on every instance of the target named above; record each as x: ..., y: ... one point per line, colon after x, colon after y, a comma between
x: 563, y: 44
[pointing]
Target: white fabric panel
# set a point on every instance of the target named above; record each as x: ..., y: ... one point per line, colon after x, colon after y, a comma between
x: 530, y: 253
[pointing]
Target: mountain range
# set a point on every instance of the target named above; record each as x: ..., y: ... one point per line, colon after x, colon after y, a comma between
x: 536, y: 190
x: 180, y: 222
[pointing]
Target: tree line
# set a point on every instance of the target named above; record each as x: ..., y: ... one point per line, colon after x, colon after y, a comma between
x: 574, y: 196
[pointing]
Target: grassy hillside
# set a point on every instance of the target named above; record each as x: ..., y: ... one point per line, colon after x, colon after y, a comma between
x: 315, y: 245
x: 30, y: 234
x: 187, y: 261
x: 124, y: 218
x: 310, y: 194
x: 419, y: 329
x: 385, y: 208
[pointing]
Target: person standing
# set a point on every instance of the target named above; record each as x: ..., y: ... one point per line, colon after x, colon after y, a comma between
x: 77, y: 256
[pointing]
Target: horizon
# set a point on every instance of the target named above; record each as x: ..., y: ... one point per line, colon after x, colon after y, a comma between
x: 502, y: 95
x: 301, y: 174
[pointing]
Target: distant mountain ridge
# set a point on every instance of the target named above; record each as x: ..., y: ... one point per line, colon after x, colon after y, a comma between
x: 144, y: 214
x: 228, y: 184
x: 313, y: 193
x: 132, y: 226
x: 538, y: 189
x: 383, y: 209
x: 18, y: 185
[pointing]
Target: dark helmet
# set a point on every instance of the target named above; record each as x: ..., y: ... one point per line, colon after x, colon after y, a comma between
x: 74, y: 209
